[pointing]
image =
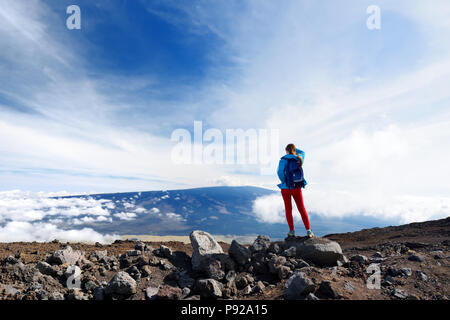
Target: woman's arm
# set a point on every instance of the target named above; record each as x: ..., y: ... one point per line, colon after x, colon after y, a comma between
x: 301, y: 154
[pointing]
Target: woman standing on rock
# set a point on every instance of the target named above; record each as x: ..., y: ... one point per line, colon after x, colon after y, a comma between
x: 290, y: 173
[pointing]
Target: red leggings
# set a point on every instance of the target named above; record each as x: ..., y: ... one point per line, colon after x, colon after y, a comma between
x: 297, y: 194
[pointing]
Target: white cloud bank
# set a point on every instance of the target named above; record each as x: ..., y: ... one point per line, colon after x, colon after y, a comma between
x: 32, y: 206
x: 22, y: 214
x: 335, y: 204
x: 31, y: 216
x: 17, y: 231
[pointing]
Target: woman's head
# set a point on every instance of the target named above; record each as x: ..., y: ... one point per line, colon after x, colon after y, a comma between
x: 290, y: 149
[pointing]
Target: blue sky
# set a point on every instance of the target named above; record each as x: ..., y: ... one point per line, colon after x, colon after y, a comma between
x: 92, y: 110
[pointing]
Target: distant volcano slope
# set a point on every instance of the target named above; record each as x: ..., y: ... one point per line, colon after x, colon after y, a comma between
x: 217, y: 210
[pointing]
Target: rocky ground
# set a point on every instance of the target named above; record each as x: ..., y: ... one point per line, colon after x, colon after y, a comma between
x: 405, y: 262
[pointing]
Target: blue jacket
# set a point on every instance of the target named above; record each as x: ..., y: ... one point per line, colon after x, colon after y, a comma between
x: 282, y: 165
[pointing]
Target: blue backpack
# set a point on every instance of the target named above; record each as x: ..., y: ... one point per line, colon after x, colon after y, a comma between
x: 293, y: 173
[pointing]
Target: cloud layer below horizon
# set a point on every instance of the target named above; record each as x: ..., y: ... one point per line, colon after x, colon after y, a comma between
x: 38, y: 216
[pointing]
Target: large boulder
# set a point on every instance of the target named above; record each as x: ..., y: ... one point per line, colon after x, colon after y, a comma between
x: 204, y: 247
x: 359, y: 258
x: 242, y: 280
x: 239, y: 253
x: 326, y: 290
x: 208, y: 256
x: 98, y: 255
x: 167, y: 292
x: 151, y: 292
x: 10, y: 260
x: 165, y: 252
x: 214, y: 269
x: 320, y: 251
x: 283, y: 272
x: 261, y: 244
x: 298, y: 286
x: 66, y: 256
x: 275, y: 262
x: 45, y: 268
x: 416, y: 257
x: 121, y: 284
x: 209, y: 288
x: 55, y: 296
x: 185, y: 280
x: 76, y: 294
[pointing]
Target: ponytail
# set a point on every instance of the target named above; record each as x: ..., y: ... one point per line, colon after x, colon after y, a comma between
x: 291, y: 149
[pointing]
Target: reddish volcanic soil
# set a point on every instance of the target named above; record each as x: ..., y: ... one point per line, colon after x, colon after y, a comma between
x: 393, y: 248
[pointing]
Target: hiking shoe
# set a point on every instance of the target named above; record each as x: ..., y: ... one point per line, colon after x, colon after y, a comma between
x: 291, y: 233
x: 309, y: 234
